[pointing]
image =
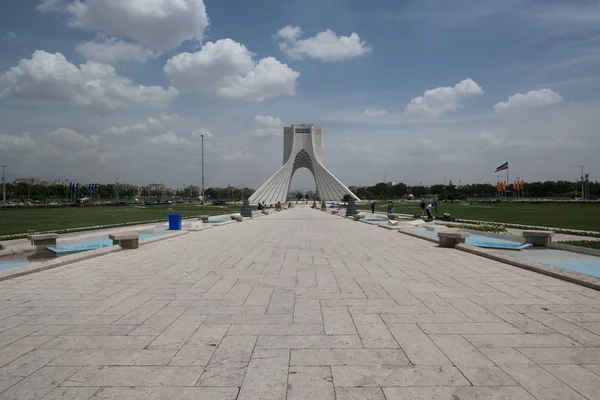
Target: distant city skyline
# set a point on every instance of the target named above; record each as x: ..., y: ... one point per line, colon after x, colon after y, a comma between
x: 404, y: 90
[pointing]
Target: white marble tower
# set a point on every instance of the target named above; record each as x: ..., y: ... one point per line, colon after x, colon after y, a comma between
x: 302, y: 148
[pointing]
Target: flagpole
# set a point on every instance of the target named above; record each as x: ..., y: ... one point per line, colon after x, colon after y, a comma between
x: 507, y: 180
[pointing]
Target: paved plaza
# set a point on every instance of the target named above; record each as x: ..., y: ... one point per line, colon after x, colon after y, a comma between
x: 297, y: 305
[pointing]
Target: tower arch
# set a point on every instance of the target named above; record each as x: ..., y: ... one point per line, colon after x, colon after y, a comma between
x: 302, y: 148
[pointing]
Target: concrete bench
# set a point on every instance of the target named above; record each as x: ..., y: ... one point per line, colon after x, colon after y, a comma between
x: 127, y: 241
x: 538, y: 238
x: 203, y: 218
x: 45, y: 240
x: 450, y: 238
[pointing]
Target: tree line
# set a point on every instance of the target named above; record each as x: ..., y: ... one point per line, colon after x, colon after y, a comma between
x: 59, y: 192
x: 562, y: 189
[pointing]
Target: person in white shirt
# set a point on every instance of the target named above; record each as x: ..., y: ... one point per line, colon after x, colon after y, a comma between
x: 429, y: 216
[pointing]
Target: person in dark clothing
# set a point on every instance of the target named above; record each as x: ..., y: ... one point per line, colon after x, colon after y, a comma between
x: 373, y: 208
x: 422, y: 208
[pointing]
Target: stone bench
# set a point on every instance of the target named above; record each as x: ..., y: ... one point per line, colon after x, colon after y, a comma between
x: 45, y: 240
x: 127, y: 241
x: 450, y: 238
x: 203, y: 218
x: 538, y: 238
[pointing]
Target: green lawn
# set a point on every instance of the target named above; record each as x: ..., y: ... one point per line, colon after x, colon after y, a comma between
x: 27, y: 220
x: 557, y: 215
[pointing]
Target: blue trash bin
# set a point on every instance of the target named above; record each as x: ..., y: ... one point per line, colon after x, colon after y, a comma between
x: 175, y: 222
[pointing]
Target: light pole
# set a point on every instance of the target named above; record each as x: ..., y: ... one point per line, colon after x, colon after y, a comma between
x: 3, y: 186
x: 202, y: 188
x: 117, y: 190
x: 582, y: 187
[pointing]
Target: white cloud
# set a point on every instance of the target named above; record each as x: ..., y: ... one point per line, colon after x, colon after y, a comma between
x: 10, y: 37
x: 51, y: 6
x: 14, y: 142
x: 267, y: 127
x: 170, y: 117
x: 527, y: 144
x: 374, y: 112
x: 324, y: 46
x: 489, y: 138
x: 50, y: 77
x: 226, y: 69
x: 233, y: 155
x: 126, y: 130
x: 113, y: 51
x: 70, y: 138
x: 169, y: 138
x: 438, y: 101
x: 196, y: 135
x: 533, y: 98
x: 161, y: 24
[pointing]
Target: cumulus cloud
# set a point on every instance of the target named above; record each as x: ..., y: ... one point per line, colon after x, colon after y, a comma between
x: 267, y: 127
x: 160, y: 24
x: 112, y: 51
x: 69, y: 137
x: 15, y: 142
x: 324, y: 46
x: 169, y: 138
x: 489, y: 139
x: 50, y: 77
x: 528, y: 144
x: 227, y: 69
x: 152, y: 125
x: 10, y: 37
x: 374, y: 112
x: 196, y: 135
x: 51, y: 6
x: 438, y: 101
x: 533, y: 98
x: 242, y: 155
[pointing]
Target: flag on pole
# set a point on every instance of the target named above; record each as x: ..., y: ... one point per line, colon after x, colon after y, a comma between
x: 71, y: 187
x: 587, y: 177
x: 502, y: 167
x: 77, y: 188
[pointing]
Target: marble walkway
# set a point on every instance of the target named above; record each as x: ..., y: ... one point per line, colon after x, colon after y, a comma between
x: 297, y: 305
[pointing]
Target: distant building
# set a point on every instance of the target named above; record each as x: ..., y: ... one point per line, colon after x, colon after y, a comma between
x: 27, y: 181
x: 156, y: 187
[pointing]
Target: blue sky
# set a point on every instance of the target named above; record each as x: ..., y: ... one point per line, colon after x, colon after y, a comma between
x: 416, y: 90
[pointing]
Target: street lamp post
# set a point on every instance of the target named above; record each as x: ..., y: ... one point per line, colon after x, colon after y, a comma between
x: 202, y: 188
x: 582, y: 183
x: 3, y: 186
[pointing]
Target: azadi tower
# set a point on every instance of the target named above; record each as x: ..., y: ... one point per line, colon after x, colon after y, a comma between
x: 301, y: 149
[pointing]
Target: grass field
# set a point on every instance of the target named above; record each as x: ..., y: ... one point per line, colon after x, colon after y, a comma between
x: 15, y: 221
x: 557, y: 215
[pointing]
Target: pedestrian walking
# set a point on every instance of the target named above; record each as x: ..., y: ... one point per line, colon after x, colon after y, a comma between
x: 422, y: 208
x: 373, y: 208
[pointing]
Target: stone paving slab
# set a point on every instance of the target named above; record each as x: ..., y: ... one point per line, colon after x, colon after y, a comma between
x: 297, y: 305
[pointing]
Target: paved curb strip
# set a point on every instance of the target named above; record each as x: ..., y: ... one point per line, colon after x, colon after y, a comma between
x: 574, y: 249
x: 416, y: 235
x: 73, y: 258
x: 560, y: 273
x: 59, y: 262
x: 556, y: 272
